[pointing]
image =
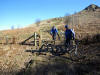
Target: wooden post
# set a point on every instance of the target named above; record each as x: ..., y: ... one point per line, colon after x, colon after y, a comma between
x: 0, y: 40
x: 34, y: 38
x: 35, y: 41
x: 3, y: 40
x: 40, y: 39
x: 13, y: 40
x: 6, y: 39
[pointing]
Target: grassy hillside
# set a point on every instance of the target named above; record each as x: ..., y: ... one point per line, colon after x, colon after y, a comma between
x: 85, y: 23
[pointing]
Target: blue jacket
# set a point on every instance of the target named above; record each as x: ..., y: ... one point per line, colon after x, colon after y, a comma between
x: 68, y: 34
x: 54, y: 31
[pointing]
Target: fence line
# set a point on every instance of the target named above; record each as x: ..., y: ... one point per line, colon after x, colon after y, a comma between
x: 8, y: 40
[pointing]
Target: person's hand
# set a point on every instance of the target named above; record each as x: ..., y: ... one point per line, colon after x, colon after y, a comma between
x: 59, y: 38
x: 50, y: 33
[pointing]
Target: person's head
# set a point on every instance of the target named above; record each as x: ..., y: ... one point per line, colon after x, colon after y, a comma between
x: 53, y: 27
x: 66, y: 26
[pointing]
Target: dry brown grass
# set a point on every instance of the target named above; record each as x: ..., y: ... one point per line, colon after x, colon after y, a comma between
x: 13, y: 58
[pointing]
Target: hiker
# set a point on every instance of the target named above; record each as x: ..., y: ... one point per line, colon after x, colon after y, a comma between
x: 69, y: 35
x: 54, y: 32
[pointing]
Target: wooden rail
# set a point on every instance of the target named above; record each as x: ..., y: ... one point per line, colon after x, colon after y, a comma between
x: 8, y: 40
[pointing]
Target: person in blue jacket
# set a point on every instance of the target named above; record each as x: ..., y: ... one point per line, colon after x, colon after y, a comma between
x: 69, y: 35
x: 54, y: 32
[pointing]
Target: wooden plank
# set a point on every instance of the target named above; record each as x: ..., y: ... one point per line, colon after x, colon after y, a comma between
x: 27, y: 39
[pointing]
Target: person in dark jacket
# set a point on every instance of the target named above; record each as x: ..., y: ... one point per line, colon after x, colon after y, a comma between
x: 68, y: 35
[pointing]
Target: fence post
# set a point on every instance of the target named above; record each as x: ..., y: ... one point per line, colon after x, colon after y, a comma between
x: 40, y: 38
x: 35, y: 41
x: 13, y: 40
x: 6, y: 40
x: 2, y: 39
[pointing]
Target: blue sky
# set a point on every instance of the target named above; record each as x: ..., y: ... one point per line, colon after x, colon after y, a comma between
x: 21, y: 13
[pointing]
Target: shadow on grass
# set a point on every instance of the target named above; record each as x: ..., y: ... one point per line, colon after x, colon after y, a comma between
x: 91, y: 39
x: 61, y: 68
x: 51, y: 51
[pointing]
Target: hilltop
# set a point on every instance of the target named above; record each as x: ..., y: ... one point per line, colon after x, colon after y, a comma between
x: 92, y: 7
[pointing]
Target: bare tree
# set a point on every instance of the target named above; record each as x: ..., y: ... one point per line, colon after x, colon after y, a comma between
x: 12, y: 27
x: 38, y: 22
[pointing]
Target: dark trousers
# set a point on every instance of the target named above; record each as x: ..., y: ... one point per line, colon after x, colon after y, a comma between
x: 67, y: 42
x: 54, y: 36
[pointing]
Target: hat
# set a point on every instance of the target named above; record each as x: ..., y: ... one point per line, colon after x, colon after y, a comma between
x: 66, y: 26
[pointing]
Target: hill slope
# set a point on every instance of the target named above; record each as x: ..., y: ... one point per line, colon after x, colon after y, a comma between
x: 85, y: 22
